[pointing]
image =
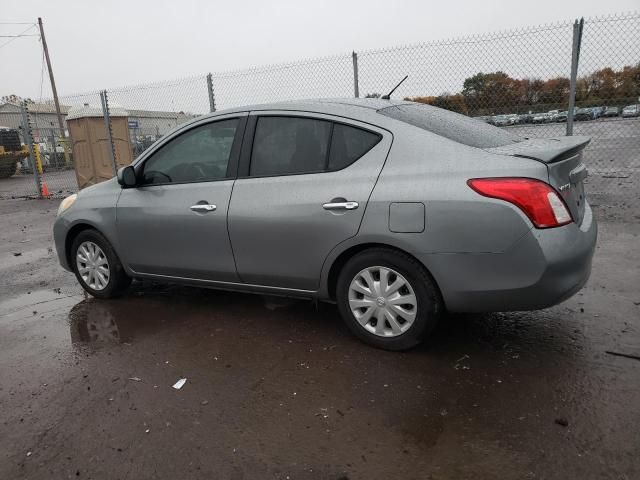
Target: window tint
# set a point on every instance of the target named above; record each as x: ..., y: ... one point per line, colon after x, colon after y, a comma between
x: 348, y: 144
x: 451, y: 125
x: 199, y: 155
x: 284, y: 145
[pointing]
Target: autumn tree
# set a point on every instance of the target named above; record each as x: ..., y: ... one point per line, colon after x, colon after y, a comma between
x: 455, y: 103
x: 628, y: 82
x: 495, y: 90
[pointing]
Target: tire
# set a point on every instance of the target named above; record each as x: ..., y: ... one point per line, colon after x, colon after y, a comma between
x: 8, y: 169
x: 412, y: 326
x: 117, y: 281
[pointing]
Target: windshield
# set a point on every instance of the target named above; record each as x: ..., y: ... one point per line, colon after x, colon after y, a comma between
x: 454, y: 126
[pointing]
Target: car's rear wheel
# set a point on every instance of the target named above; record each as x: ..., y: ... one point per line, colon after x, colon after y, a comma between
x: 387, y: 299
x: 96, y: 265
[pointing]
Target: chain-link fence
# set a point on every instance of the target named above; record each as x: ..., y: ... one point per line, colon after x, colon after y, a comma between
x: 608, y: 101
x: 526, y: 80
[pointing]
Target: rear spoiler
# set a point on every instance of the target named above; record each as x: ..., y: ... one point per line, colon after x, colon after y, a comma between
x: 546, y: 150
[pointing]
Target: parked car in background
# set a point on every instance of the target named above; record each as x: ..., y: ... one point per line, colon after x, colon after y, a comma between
x: 631, y: 111
x: 525, y: 118
x: 514, y: 119
x: 553, y: 114
x: 561, y: 116
x: 502, y: 120
x: 335, y: 200
x: 541, y: 117
x: 485, y: 118
x: 586, y: 114
x: 611, y: 112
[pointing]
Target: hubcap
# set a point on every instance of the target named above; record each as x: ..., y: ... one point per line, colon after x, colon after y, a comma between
x: 382, y: 301
x: 93, y: 266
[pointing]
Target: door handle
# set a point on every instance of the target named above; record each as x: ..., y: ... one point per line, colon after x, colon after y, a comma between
x: 203, y: 208
x: 340, y: 206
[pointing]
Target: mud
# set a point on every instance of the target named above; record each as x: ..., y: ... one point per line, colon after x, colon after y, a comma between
x: 279, y: 389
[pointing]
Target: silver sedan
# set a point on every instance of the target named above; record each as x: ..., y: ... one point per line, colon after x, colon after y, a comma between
x: 394, y: 210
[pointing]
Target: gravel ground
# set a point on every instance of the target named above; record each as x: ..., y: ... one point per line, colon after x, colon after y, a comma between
x: 279, y: 389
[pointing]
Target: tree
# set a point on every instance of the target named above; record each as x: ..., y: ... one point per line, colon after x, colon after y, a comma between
x: 604, y: 83
x: 455, y: 103
x: 495, y: 91
x: 555, y: 91
x: 628, y: 82
x: 15, y: 99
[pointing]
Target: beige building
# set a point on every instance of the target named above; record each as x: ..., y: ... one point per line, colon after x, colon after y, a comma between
x: 43, y: 116
x: 45, y: 122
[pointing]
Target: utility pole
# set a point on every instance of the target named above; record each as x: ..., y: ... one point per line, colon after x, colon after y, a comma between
x: 55, y: 91
x: 575, y: 59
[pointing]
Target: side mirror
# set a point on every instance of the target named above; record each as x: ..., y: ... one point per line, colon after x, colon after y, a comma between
x: 127, y: 177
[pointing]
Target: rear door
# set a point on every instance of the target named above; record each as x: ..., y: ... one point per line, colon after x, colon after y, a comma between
x: 303, y: 186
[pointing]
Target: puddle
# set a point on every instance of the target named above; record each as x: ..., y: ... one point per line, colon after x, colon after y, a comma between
x: 149, y: 309
x: 92, y: 321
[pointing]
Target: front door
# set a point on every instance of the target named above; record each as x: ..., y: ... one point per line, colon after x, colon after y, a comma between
x: 306, y: 182
x: 174, y: 223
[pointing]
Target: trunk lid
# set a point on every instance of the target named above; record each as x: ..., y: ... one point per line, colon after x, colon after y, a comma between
x: 563, y: 158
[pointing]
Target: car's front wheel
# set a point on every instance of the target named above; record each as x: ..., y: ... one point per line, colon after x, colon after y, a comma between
x: 388, y: 299
x: 96, y: 265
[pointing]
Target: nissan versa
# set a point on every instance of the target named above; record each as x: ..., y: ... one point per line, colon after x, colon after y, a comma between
x: 396, y: 211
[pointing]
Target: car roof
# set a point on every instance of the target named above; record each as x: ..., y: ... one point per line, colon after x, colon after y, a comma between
x: 357, y: 108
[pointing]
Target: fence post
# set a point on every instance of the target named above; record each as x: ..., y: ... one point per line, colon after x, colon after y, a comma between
x: 356, y: 92
x: 104, y: 100
x: 212, y: 98
x: 28, y: 138
x: 575, y: 59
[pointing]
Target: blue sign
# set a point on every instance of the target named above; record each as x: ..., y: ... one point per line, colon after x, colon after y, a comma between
x: 133, y: 124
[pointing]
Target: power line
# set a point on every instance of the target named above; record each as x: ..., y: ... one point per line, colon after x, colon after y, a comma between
x: 17, y: 23
x: 16, y: 37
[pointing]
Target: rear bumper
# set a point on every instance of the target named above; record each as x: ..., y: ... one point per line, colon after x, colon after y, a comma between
x: 542, y: 269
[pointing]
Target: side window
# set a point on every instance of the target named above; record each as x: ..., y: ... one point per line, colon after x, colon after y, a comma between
x: 198, y: 155
x: 348, y: 144
x: 285, y: 145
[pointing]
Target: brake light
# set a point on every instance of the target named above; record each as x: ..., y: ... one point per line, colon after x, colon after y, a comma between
x: 537, y: 199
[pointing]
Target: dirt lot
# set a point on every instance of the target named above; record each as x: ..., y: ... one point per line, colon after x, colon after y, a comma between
x: 279, y: 389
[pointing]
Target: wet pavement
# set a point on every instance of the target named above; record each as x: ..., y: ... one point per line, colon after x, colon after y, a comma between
x: 280, y: 389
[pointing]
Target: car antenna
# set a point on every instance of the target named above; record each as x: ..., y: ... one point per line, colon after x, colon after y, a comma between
x: 388, y: 95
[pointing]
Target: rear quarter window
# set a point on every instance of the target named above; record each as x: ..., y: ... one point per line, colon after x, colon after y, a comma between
x: 451, y: 125
x: 348, y: 144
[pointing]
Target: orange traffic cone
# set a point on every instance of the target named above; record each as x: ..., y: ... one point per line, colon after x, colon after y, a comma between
x: 45, y: 190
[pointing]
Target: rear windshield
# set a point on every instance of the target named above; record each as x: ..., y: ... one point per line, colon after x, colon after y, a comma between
x: 451, y: 125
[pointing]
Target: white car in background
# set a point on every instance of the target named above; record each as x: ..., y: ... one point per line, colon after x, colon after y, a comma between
x: 541, y: 117
x: 631, y: 111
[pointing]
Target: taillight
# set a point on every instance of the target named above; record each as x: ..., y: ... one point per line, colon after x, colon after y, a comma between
x: 537, y: 199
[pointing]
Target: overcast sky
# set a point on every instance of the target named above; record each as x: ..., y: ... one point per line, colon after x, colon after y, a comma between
x: 97, y: 45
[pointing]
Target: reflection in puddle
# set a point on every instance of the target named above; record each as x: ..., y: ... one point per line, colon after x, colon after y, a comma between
x: 92, y: 321
x: 150, y: 310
